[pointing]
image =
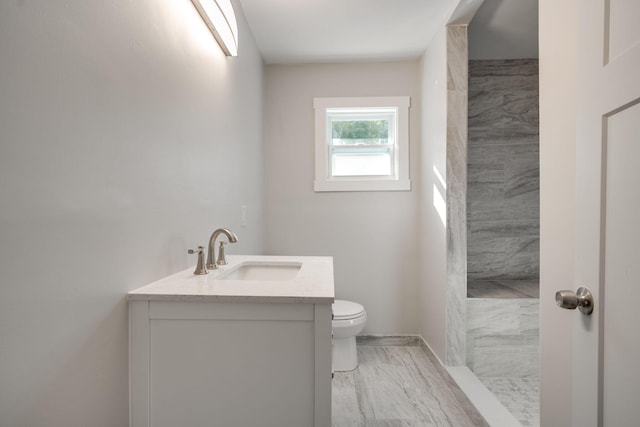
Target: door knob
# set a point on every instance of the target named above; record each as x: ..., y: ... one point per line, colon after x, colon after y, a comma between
x: 583, y: 300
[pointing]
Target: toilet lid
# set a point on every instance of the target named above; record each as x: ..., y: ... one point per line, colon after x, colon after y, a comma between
x: 346, y: 309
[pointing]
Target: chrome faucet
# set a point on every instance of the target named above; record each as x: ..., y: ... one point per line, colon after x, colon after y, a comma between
x: 211, y: 257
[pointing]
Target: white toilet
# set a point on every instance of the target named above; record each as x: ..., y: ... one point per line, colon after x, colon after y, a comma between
x: 348, y: 321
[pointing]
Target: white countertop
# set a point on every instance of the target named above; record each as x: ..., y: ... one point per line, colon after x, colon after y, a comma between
x: 312, y: 284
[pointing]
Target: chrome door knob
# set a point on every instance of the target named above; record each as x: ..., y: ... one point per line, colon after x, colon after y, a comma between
x: 582, y: 300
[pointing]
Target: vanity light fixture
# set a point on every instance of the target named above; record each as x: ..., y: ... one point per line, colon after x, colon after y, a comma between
x: 221, y: 20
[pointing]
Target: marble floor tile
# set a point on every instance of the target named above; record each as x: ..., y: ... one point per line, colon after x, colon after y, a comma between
x: 399, y: 386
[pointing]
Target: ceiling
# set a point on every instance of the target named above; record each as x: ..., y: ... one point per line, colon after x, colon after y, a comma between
x: 308, y: 31
x: 299, y: 31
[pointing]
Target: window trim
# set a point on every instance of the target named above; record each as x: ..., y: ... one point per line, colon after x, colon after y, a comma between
x: 399, y: 182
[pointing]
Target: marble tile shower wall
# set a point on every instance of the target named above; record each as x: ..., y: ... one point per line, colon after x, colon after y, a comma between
x: 503, y: 351
x: 503, y: 171
x: 503, y: 337
x: 457, y: 85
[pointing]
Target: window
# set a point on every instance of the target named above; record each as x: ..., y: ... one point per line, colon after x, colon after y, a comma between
x: 362, y: 144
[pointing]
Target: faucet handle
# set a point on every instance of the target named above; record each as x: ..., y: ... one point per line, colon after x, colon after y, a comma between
x: 200, y: 268
x: 221, y: 259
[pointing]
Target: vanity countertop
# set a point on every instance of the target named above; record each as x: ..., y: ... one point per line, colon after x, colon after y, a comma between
x: 312, y: 284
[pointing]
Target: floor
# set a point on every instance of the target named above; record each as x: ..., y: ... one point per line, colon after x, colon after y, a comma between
x: 399, y: 383
x: 503, y: 288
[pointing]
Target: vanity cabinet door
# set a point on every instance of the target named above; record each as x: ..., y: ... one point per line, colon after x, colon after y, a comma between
x: 231, y: 364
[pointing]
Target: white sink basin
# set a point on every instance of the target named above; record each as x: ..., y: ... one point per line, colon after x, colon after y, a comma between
x: 262, y: 270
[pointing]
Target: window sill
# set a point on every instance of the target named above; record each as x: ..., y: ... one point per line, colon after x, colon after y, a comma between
x: 360, y: 185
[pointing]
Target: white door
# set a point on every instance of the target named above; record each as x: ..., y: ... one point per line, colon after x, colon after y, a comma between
x: 606, y: 350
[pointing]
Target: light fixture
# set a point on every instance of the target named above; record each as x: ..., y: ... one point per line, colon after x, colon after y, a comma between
x: 221, y: 20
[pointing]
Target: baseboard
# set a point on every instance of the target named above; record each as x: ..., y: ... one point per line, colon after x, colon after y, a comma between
x: 388, y: 340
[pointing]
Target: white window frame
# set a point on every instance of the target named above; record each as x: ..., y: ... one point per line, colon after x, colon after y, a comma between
x: 399, y: 178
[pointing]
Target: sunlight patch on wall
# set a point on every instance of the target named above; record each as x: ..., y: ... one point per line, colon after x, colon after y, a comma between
x: 438, y: 199
x: 440, y: 178
x: 440, y: 205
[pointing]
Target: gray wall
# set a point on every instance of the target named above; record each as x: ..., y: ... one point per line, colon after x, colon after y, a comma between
x: 372, y: 236
x: 126, y: 137
x: 503, y: 170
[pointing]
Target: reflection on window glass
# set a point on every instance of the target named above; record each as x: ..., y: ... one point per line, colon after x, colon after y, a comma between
x: 361, y: 142
x: 359, y: 132
x: 361, y: 164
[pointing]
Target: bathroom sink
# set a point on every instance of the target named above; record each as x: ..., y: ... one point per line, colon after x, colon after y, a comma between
x: 262, y: 270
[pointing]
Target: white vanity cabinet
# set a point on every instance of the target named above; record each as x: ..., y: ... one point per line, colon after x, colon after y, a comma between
x: 199, y: 358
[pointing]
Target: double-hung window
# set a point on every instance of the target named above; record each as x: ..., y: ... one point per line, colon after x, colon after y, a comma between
x: 362, y: 144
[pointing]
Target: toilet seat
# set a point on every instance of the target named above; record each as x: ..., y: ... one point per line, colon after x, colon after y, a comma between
x: 346, y: 310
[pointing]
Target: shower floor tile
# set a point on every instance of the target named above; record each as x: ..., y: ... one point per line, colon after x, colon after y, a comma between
x: 521, y: 396
x: 523, y: 288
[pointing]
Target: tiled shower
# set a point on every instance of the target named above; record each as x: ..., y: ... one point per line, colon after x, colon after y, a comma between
x: 503, y: 232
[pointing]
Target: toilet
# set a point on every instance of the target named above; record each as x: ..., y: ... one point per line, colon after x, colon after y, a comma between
x: 349, y: 319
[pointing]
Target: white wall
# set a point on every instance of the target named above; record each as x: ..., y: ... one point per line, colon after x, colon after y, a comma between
x: 373, y: 236
x: 557, y: 198
x: 126, y: 137
x: 433, y: 245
